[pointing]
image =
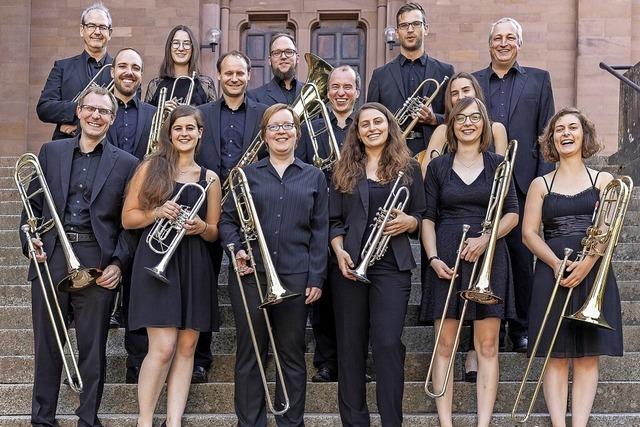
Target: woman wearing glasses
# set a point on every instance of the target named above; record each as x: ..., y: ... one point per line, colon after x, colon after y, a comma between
x: 291, y: 201
x: 181, y: 55
x: 458, y: 185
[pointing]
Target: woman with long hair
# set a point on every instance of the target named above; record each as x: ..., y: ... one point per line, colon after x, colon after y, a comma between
x: 173, y: 313
x: 458, y: 188
x: 181, y: 56
x: 373, y: 155
x: 564, y: 201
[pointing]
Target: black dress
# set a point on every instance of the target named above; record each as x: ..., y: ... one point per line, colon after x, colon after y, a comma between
x: 565, y: 219
x: 450, y: 204
x: 190, y: 300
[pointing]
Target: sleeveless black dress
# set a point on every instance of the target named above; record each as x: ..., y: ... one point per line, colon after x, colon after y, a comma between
x: 565, y: 219
x: 450, y: 204
x: 190, y: 300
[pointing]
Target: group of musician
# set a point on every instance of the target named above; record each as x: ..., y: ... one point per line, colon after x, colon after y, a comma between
x: 314, y: 225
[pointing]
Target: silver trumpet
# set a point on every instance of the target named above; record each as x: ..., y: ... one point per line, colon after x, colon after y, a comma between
x: 377, y: 242
x: 164, y: 229
x: 156, y: 123
x: 93, y: 81
x: 192, y: 84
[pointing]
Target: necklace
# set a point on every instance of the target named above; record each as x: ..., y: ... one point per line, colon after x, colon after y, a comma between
x: 182, y: 172
x: 467, y: 165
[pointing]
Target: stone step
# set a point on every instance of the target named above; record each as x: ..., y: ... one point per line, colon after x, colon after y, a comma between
x: 217, y: 398
x: 19, y: 342
x: 19, y: 369
x: 333, y: 420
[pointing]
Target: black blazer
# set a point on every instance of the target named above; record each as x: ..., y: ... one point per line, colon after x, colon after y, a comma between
x: 271, y: 93
x: 348, y: 217
x: 208, y: 155
x: 530, y: 109
x: 387, y: 88
x: 114, y: 172
x: 66, y: 79
x: 143, y: 129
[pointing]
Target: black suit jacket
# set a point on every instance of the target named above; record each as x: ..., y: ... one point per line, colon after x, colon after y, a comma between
x: 387, y: 88
x: 67, y: 78
x: 348, y: 214
x: 143, y: 128
x: 271, y: 93
x: 208, y: 155
x: 530, y: 109
x: 114, y: 172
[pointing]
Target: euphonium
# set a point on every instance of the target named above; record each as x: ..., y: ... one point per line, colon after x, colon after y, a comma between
x: 156, y: 123
x: 164, y: 228
x: 410, y: 110
x: 93, y: 81
x: 377, y: 242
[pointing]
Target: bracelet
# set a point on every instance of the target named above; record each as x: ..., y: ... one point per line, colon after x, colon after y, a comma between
x: 431, y: 258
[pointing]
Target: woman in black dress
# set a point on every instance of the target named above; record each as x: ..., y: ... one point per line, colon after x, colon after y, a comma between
x: 458, y: 186
x: 181, y: 57
x: 563, y: 201
x: 173, y: 313
x: 372, y: 156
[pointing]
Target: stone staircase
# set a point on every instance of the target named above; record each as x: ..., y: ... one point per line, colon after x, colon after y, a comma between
x: 617, y: 402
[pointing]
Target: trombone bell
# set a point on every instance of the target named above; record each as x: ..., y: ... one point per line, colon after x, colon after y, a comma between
x: 591, y: 315
x: 274, y: 297
x: 79, y: 279
x: 481, y: 293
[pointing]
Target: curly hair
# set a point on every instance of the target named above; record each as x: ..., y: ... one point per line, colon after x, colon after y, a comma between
x: 486, y: 138
x: 353, y: 157
x: 590, y: 141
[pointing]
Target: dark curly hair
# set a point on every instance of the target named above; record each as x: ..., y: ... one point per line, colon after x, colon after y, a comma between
x: 590, y: 141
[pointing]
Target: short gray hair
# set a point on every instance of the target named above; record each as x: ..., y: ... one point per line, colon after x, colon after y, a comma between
x: 99, y: 7
x: 102, y: 91
x: 513, y: 22
x: 347, y: 68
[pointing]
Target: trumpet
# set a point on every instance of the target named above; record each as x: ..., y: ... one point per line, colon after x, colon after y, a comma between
x: 377, y: 242
x: 608, y: 219
x: 411, y: 107
x: 315, y: 102
x: 479, y: 290
x: 192, y: 84
x: 93, y: 81
x: 156, y: 123
x: 164, y: 228
x: 276, y: 292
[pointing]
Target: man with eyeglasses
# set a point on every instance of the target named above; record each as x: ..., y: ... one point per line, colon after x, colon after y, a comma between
x: 284, y: 87
x: 396, y: 81
x: 70, y: 76
x: 521, y: 99
x: 87, y: 178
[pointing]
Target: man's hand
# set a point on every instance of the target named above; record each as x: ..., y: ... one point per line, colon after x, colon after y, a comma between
x: 110, y: 277
x: 242, y: 260
x: 312, y: 294
x: 427, y: 117
x: 69, y: 129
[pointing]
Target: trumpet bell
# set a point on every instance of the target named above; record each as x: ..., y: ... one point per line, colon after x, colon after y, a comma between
x: 590, y: 315
x: 361, y: 274
x: 158, y: 274
x: 480, y: 296
x: 79, y: 279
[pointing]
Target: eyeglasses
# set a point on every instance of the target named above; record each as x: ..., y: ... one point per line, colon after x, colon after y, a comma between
x: 405, y: 25
x: 91, y: 109
x: 93, y: 27
x: 473, y: 117
x: 283, y: 126
x: 288, y: 53
x: 186, y: 44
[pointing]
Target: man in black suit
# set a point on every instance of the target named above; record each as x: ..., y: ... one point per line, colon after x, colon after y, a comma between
x: 396, y: 81
x: 87, y: 180
x: 70, y: 76
x: 522, y: 100
x: 284, y: 87
x: 230, y: 125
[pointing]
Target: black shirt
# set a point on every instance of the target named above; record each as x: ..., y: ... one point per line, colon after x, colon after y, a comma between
x: 94, y: 66
x: 293, y: 214
x: 83, y: 173
x: 231, y: 136
x: 290, y: 94
x: 500, y: 90
x: 126, y: 124
x: 412, y: 72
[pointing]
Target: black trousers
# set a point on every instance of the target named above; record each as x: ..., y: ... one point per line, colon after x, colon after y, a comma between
x: 324, y: 331
x: 288, y: 320
x: 522, y: 267
x: 92, y: 308
x: 136, y: 342
x: 377, y: 312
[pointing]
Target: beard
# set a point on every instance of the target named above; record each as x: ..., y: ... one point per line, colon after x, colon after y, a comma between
x: 284, y: 76
x: 415, y: 47
x: 126, y: 91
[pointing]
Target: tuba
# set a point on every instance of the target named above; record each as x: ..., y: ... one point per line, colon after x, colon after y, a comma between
x: 377, y: 242
x: 93, y: 81
x: 156, y: 123
x: 163, y: 229
x: 479, y: 290
x: 605, y: 230
x: 276, y: 292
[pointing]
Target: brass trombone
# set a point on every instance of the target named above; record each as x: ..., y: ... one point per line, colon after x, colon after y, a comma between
x: 605, y: 230
x: 276, y: 292
x: 164, y: 228
x: 93, y: 81
x: 479, y: 290
x: 377, y: 242
x: 156, y: 123
x: 192, y: 83
x: 410, y: 110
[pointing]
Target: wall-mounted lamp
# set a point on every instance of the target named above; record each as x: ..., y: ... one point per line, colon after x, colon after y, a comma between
x: 213, y: 39
x: 391, y: 37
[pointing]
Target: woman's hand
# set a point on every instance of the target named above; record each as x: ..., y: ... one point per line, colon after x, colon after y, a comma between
x: 474, y: 247
x: 399, y: 223
x: 442, y: 270
x: 195, y: 226
x: 578, y: 271
x: 345, y: 263
x: 169, y: 210
x: 242, y: 260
